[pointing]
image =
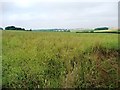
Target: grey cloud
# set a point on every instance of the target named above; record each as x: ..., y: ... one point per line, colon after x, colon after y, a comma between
x: 61, y: 14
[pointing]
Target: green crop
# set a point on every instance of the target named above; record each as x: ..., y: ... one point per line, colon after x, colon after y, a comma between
x: 59, y: 60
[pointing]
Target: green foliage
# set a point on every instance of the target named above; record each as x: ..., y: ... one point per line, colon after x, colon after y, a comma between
x: 102, y: 28
x: 13, y: 28
x: 1, y: 28
x: 59, y: 59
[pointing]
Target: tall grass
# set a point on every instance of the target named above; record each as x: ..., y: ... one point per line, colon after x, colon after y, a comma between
x: 59, y: 60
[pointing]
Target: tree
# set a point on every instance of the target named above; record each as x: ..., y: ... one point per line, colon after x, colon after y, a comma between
x: 10, y: 28
x: 1, y: 28
x: 13, y: 28
x: 102, y: 28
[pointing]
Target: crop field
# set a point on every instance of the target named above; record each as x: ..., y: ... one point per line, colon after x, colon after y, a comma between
x: 59, y: 60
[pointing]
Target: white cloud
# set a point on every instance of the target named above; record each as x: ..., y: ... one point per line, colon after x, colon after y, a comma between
x: 23, y: 4
x: 63, y: 0
x: 60, y: 14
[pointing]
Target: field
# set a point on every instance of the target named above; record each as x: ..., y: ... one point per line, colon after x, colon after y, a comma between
x: 59, y: 60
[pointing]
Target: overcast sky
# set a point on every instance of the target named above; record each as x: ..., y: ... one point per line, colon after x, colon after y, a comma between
x: 31, y: 14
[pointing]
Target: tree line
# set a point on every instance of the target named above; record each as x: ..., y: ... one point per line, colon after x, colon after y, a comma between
x: 18, y: 28
x: 13, y: 28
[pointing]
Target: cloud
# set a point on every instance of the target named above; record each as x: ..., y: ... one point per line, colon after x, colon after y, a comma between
x: 60, y: 14
x: 63, y: 0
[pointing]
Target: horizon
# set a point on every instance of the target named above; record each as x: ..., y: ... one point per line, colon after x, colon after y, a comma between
x: 61, y: 28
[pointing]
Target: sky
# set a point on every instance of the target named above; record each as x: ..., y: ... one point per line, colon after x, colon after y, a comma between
x: 34, y: 14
